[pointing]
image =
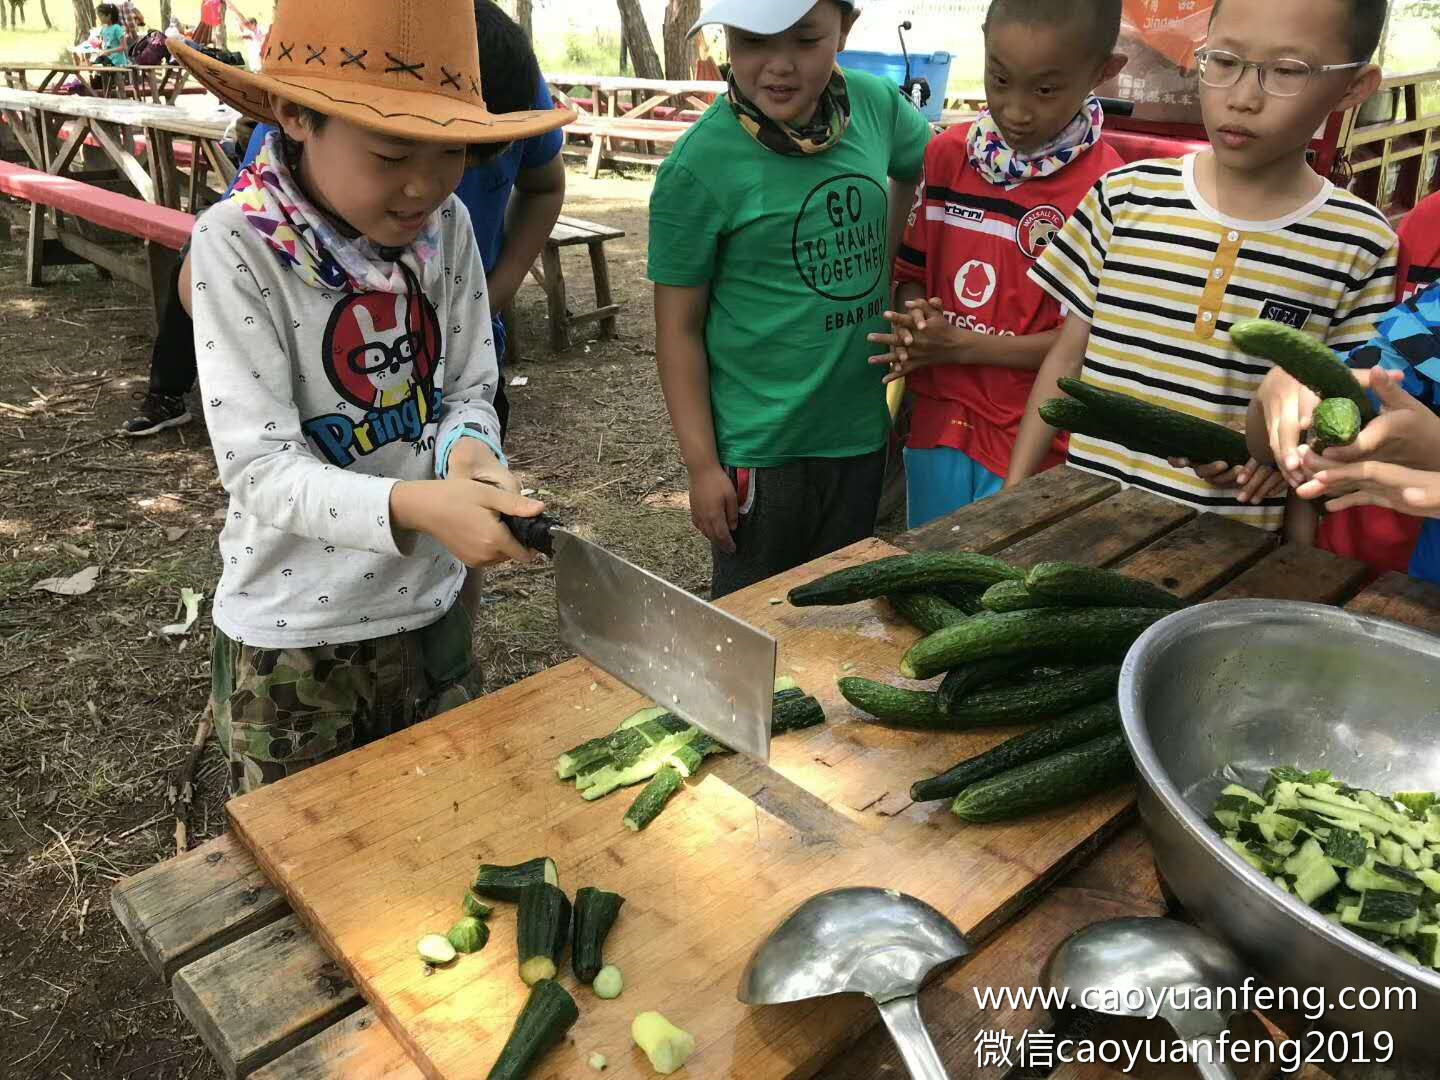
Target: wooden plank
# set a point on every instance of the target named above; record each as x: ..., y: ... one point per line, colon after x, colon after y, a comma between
x: 357, y: 1048
x: 1403, y: 599
x: 179, y: 910
x: 1293, y: 572
x: 1197, y: 558
x: 1103, y: 533
x: 274, y: 989
x: 1011, y: 516
x: 373, y: 848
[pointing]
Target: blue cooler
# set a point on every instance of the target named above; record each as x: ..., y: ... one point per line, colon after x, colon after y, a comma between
x: 891, y: 67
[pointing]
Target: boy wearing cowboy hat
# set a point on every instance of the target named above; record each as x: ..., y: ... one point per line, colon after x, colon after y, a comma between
x: 773, y: 227
x: 348, y: 372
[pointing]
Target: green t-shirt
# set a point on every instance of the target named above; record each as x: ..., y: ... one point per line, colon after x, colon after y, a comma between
x: 794, y: 252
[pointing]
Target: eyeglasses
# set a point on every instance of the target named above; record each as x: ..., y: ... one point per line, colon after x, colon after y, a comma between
x: 1279, y: 78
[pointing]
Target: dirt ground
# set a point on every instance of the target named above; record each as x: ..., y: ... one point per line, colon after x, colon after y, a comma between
x: 98, y: 709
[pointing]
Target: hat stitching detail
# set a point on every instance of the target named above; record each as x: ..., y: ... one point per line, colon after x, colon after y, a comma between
x: 402, y: 66
x: 474, y: 86
x: 316, y: 55
x: 357, y: 59
x: 451, y: 78
x: 287, y: 52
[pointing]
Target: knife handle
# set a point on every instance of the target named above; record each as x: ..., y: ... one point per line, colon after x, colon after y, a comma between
x: 534, y: 533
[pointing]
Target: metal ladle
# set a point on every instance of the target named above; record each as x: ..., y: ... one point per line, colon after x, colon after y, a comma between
x: 875, y: 942
x: 1097, y: 966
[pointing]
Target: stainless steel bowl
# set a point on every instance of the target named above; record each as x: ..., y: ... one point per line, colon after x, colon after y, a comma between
x: 1225, y: 691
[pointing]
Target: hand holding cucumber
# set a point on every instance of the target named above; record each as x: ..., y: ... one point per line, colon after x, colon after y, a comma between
x: 1406, y: 432
x: 1256, y: 482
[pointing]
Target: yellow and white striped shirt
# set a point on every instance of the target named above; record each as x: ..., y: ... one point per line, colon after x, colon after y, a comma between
x: 1161, y: 276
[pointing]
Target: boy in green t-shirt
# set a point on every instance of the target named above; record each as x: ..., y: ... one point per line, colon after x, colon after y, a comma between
x: 773, y: 228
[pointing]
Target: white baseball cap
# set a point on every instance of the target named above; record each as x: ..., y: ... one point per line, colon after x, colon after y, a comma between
x: 759, y: 16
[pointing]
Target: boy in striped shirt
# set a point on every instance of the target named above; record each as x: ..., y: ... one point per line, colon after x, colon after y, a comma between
x: 1164, y: 257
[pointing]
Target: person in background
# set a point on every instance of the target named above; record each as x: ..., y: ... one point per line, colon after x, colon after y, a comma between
x: 212, y: 14
x: 971, y: 329
x: 254, y: 40
x: 514, y: 197
x: 1163, y: 257
x: 773, y: 229
x: 114, y: 52
x: 132, y: 21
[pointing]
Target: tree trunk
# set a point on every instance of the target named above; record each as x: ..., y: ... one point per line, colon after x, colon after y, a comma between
x: 680, y: 53
x: 525, y: 16
x: 45, y: 14
x: 637, y: 39
x: 165, y: 15
x: 84, y: 19
x: 222, y: 32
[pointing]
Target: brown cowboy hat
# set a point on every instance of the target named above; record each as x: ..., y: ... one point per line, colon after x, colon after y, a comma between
x: 407, y: 68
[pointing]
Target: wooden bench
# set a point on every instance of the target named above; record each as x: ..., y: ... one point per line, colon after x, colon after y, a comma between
x: 550, y: 276
x: 270, y: 1004
x: 162, y: 230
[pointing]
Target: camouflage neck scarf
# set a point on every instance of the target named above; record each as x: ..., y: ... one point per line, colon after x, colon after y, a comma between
x: 825, y: 129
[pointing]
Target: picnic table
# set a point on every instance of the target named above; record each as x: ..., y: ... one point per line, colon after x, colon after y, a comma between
x: 144, y: 144
x: 643, y: 113
x: 157, y: 83
x: 271, y: 1004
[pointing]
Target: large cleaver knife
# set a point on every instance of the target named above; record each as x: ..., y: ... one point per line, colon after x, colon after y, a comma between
x: 703, y: 664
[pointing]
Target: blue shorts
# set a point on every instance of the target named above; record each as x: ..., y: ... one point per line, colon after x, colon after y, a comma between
x: 1426, y: 564
x: 941, y: 481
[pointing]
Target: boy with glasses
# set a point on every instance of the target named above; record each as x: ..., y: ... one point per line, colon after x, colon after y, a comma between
x: 1165, y: 256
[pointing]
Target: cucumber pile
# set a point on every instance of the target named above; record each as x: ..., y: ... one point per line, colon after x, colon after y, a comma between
x: 1368, y: 862
x: 1015, y: 646
x: 657, y: 746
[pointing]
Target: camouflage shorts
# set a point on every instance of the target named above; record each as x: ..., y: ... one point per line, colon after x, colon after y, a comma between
x: 278, y: 711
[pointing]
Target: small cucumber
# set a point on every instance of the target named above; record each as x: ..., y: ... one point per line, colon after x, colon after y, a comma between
x: 505, y: 882
x: 652, y: 799
x: 967, y: 678
x: 902, y: 573
x: 1089, y: 586
x: 1072, y: 729
x: 1033, y: 701
x: 1337, y: 423
x: 1067, y: 414
x: 926, y: 611
x: 892, y: 705
x: 1011, y: 596
x: 595, y: 913
x: 1073, y: 635
x: 542, y: 930
x: 1306, y: 358
x: 795, y: 714
x: 1062, y: 778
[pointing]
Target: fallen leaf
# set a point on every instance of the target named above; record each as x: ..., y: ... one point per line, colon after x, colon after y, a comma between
x: 190, y: 605
x: 74, y: 550
x: 668, y: 500
x: 520, y: 380
x: 175, y: 532
x: 74, y: 585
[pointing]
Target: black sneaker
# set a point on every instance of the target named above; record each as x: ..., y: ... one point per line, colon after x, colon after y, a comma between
x: 158, y: 412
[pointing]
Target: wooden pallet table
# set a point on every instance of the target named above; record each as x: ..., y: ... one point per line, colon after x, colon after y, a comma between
x: 271, y: 1004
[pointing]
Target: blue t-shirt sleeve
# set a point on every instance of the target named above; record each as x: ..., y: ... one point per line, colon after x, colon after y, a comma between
x: 542, y: 149
x: 1407, y: 340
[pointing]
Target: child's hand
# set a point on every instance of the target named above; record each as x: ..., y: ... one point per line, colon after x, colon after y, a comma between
x: 921, y: 337
x: 465, y: 517
x: 715, y: 507
x: 472, y: 459
x: 1405, y: 433
x: 1256, y: 482
x: 1288, y: 407
x: 1375, y: 483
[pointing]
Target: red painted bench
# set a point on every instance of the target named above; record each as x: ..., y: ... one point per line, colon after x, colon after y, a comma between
x: 162, y: 230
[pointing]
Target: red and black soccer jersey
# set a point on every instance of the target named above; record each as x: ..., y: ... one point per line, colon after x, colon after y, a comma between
x: 972, y: 243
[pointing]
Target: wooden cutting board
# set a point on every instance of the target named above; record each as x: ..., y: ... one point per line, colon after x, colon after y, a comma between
x: 376, y: 848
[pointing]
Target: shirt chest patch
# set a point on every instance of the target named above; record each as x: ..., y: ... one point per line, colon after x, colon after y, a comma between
x: 1037, y: 229
x: 1286, y: 313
